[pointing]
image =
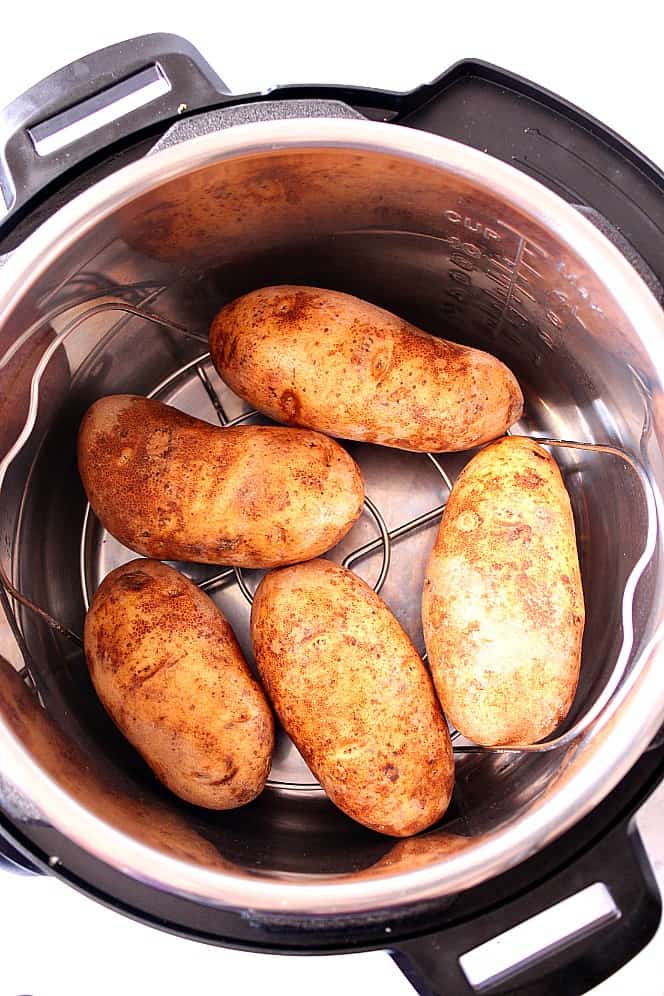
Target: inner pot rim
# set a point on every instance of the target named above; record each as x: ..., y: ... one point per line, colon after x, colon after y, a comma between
x: 614, y: 742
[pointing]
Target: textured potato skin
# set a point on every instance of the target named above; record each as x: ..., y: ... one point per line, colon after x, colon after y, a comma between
x: 329, y: 361
x: 170, y: 673
x: 173, y: 487
x: 502, y: 608
x: 353, y: 694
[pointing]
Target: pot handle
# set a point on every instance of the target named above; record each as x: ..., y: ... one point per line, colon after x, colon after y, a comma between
x: 98, y: 100
x: 12, y: 860
x: 566, y: 934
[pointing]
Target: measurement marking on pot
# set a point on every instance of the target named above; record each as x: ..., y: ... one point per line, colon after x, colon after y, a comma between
x: 520, y: 235
x: 513, y: 280
x: 511, y: 287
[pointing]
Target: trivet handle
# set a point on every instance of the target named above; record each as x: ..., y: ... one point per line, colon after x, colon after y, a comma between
x: 94, y: 103
x: 585, y: 923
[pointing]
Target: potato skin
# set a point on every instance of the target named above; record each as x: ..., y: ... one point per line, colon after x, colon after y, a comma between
x: 354, y: 696
x: 170, y: 673
x: 503, y: 609
x: 329, y: 361
x: 173, y: 487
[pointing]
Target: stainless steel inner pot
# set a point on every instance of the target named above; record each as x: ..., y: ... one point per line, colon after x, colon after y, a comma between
x: 463, y: 246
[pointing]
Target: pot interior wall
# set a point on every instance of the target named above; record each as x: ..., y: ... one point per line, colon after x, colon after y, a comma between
x: 429, y: 245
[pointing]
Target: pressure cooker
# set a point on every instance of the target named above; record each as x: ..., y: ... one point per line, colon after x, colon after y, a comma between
x: 139, y: 197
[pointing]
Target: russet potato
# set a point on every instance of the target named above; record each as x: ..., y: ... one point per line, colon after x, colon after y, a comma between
x: 173, y: 487
x: 503, y: 609
x: 331, y: 362
x: 353, y: 694
x: 170, y: 673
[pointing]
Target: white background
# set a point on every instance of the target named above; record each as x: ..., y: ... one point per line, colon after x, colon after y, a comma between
x: 55, y: 943
x: 607, y: 62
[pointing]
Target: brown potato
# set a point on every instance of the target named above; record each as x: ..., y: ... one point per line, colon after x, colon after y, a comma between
x: 332, y: 362
x: 354, y: 696
x: 173, y: 487
x: 154, y: 823
x: 170, y: 673
x: 503, y: 609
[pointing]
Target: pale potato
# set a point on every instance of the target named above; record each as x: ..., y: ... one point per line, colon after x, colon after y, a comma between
x: 332, y: 362
x: 503, y: 609
x: 170, y: 673
x: 173, y: 487
x: 353, y: 694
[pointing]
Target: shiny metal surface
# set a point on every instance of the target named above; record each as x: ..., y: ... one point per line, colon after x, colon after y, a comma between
x: 454, y: 241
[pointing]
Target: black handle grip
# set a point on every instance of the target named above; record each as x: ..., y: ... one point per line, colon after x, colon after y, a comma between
x: 620, y: 889
x: 12, y: 860
x: 94, y: 102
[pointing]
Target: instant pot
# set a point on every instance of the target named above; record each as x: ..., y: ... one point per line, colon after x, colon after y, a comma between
x: 140, y: 196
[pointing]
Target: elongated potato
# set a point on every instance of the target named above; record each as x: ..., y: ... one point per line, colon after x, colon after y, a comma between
x: 170, y: 673
x: 354, y: 696
x: 173, y: 487
x: 503, y: 608
x: 332, y: 362
x: 153, y: 822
